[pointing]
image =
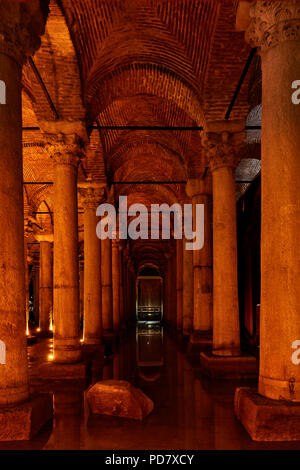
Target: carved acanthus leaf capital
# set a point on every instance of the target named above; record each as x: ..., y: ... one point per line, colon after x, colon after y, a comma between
x: 65, y: 149
x: 223, y: 149
x: 21, y: 25
x: 92, y: 194
x: 272, y: 22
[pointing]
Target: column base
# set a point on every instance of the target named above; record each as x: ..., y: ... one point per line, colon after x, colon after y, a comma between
x: 266, y: 419
x: 24, y: 421
x: 228, y: 367
x: 43, y: 334
x: 57, y: 371
x: 109, y: 337
x: 199, y: 341
x: 31, y: 340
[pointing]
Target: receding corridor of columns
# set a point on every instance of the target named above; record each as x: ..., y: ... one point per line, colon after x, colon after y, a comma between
x: 149, y: 202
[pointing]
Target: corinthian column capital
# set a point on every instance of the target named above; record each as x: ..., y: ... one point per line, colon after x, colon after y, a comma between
x: 65, y: 141
x: 21, y: 25
x: 92, y: 194
x: 269, y: 23
x: 222, y: 141
x: 64, y: 149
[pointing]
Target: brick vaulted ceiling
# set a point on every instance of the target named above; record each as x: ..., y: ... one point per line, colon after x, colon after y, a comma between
x: 133, y: 63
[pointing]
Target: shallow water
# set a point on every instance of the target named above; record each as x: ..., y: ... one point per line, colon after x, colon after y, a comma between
x: 190, y: 412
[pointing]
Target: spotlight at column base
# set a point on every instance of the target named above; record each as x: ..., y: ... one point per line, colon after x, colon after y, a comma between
x: 22, y: 422
x: 266, y: 419
x: 228, y: 367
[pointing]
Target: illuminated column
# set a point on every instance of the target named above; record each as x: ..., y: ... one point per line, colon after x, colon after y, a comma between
x: 26, y: 282
x: 92, y: 195
x: 121, y: 284
x: 36, y: 293
x: 45, y: 281
x: 116, y: 284
x: 20, y: 28
x: 81, y: 288
x: 275, y: 29
x: 171, y: 290
x: 179, y: 275
x: 65, y: 150
x: 106, y: 278
x: 199, y: 189
x: 131, y: 290
x: 187, y: 320
x: 222, y: 141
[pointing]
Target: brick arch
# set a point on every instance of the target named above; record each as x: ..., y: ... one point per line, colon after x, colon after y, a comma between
x: 57, y: 64
x: 142, y: 79
x: 147, y: 162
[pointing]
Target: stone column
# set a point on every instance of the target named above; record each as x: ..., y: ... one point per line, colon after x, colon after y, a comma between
x: 187, y: 320
x: 81, y: 288
x: 26, y: 282
x: 66, y: 150
x: 106, y: 278
x: 179, y: 280
x: 222, y: 141
x: 116, y: 284
x: 275, y: 29
x: 92, y: 194
x: 199, y: 189
x: 45, y: 281
x: 121, y: 284
x: 20, y: 27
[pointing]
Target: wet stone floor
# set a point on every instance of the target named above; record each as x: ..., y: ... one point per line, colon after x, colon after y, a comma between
x: 190, y: 412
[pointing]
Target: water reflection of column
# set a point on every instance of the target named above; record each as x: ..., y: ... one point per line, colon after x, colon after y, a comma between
x: 108, y: 371
x: 204, y: 416
x: 179, y: 274
x: 227, y: 431
x: 189, y: 408
x: 116, y: 367
x: 66, y: 424
x: 180, y: 394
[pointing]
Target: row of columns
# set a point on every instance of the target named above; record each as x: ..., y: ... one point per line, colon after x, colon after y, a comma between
x: 102, y: 275
x: 215, y: 304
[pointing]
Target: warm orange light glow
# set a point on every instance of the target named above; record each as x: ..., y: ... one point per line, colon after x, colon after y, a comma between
x: 82, y: 340
x: 51, y: 357
x: 27, y: 331
x: 38, y: 329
